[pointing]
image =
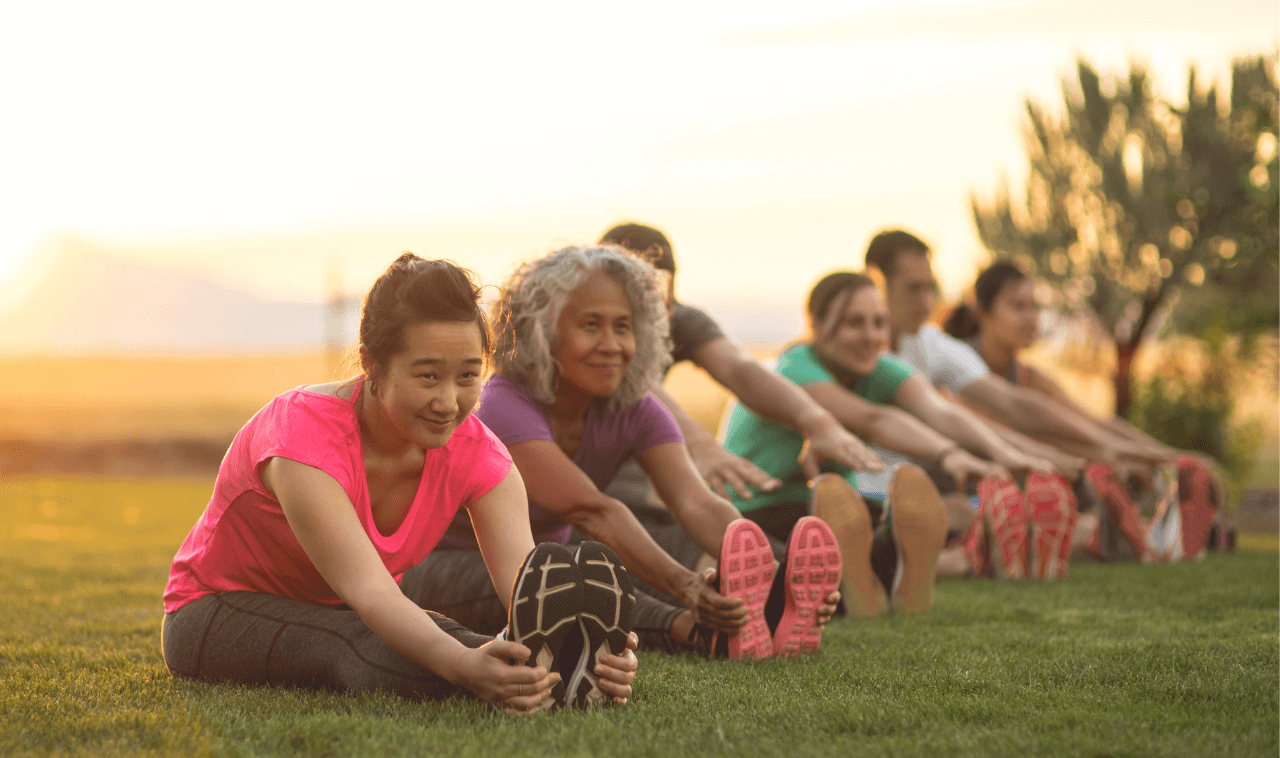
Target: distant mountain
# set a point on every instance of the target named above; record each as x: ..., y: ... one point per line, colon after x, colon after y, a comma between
x: 86, y: 302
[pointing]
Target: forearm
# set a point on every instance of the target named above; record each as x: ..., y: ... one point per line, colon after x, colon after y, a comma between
x: 778, y: 399
x: 613, y: 524
x: 906, y: 434
x: 1036, y: 414
x: 406, y: 629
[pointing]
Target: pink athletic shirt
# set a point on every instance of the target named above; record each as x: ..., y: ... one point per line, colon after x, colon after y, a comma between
x: 243, y: 542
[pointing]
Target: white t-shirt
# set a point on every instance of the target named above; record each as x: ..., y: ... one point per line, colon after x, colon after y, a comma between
x: 944, y: 360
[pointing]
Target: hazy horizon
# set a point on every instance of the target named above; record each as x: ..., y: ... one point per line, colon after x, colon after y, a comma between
x: 288, y: 153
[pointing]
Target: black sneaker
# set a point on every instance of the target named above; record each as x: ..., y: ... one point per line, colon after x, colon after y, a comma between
x: 544, y: 607
x: 608, y: 600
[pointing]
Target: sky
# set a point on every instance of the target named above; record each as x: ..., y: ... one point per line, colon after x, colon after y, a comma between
x: 291, y: 149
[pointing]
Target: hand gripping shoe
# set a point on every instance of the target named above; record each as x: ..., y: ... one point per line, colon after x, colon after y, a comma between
x: 608, y: 601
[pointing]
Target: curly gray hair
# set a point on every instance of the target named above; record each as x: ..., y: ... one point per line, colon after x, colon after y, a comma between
x: 525, y: 319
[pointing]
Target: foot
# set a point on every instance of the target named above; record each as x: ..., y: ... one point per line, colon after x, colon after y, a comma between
x: 813, y: 573
x: 1198, y: 505
x: 1004, y: 513
x: 918, y: 523
x: 608, y: 600
x: 1120, y: 510
x: 746, y: 572
x: 544, y: 608
x: 1052, y: 508
x: 841, y: 507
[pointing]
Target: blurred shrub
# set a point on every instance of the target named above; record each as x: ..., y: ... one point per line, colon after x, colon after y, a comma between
x: 1193, y: 408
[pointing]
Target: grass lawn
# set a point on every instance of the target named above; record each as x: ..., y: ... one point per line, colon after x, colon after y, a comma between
x: 1121, y: 660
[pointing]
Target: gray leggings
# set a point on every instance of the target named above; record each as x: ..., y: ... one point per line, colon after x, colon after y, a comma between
x: 257, y: 638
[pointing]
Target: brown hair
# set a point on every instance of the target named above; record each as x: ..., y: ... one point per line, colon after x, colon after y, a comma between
x: 887, y: 247
x: 963, y: 322
x: 638, y: 238
x: 834, y: 290
x: 415, y: 291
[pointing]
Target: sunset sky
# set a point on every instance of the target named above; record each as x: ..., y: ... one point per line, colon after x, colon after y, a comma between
x: 264, y: 144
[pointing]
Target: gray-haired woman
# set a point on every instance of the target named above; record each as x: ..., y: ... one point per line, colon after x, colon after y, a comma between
x: 581, y: 339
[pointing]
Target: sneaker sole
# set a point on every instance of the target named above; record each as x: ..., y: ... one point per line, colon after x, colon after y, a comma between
x: 813, y: 572
x: 1004, y: 508
x: 841, y: 507
x: 918, y: 521
x: 608, y: 604
x: 544, y: 608
x: 1052, y: 514
x: 1124, y: 513
x: 746, y: 572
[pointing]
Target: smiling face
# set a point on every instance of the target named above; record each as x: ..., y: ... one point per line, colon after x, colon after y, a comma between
x: 594, y: 337
x: 913, y: 293
x: 851, y: 339
x: 1014, y: 318
x: 429, y: 387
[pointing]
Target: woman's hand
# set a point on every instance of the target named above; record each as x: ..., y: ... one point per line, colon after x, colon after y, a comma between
x: 488, y: 672
x: 617, y: 672
x: 1016, y: 460
x: 828, y: 608
x: 838, y: 445
x: 722, y: 469
x: 710, y: 608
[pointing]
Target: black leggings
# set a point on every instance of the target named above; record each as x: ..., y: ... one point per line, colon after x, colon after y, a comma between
x: 257, y: 638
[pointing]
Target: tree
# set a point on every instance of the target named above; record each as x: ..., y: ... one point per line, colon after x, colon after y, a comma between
x: 1136, y: 208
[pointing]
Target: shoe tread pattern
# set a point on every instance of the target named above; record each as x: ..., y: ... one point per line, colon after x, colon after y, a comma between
x: 746, y: 572
x: 813, y: 572
x: 544, y: 607
x: 608, y: 604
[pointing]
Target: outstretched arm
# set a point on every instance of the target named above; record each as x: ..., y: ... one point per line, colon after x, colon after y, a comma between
x: 720, y: 468
x: 558, y: 485
x: 1035, y: 413
x: 325, y: 524
x: 920, y: 399
x: 898, y: 430
x: 779, y: 400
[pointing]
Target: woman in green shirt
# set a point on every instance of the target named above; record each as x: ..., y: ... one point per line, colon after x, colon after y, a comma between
x: 884, y: 401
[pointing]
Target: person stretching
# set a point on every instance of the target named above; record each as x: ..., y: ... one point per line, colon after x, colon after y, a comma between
x: 301, y: 570
x: 581, y: 340
x: 1004, y: 321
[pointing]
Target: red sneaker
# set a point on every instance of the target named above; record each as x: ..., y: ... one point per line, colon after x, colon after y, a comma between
x: 1198, y: 505
x: 813, y: 572
x: 1120, y: 508
x: 1052, y: 508
x: 746, y: 571
x: 1005, y: 514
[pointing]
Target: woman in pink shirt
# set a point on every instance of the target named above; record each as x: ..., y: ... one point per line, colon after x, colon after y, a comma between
x: 332, y: 494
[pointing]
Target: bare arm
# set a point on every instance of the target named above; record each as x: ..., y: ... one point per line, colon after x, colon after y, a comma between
x: 702, y: 513
x: 781, y: 401
x: 898, y: 430
x: 1067, y: 464
x: 559, y: 486
x: 1148, y: 447
x: 718, y: 467
x: 325, y: 524
x: 1034, y: 412
x: 920, y: 399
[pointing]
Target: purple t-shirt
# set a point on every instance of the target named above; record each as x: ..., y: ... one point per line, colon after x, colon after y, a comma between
x: 510, y: 411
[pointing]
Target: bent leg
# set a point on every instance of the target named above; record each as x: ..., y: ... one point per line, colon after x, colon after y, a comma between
x: 261, y: 639
x: 456, y: 584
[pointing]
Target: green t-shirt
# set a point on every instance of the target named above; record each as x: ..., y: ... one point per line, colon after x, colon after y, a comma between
x: 776, y: 449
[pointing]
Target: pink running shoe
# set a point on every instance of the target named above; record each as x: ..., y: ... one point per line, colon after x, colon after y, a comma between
x: 840, y: 506
x: 813, y: 572
x: 1005, y: 512
x: 746, y: 571
x: 1120, y: 508
x: 1197, y: 503
x: 1053, y: 509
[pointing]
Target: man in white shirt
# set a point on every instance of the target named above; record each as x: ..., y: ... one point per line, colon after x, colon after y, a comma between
x: 911, y: 291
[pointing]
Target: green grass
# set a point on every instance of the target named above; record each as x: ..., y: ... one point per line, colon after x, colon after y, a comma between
x: 1122, y: 660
